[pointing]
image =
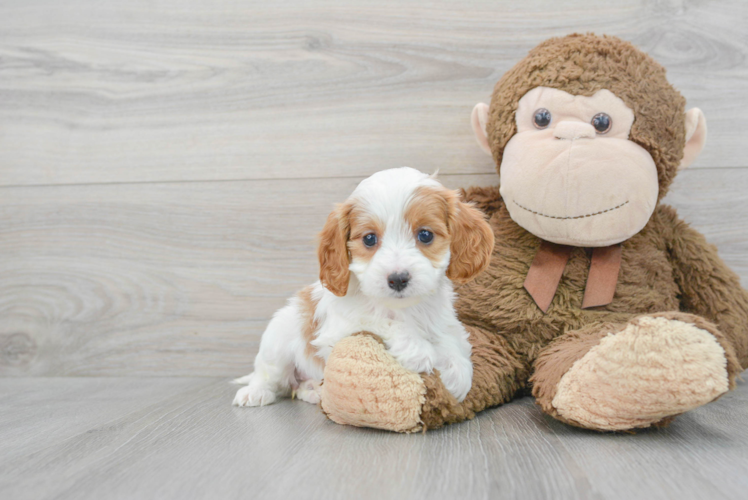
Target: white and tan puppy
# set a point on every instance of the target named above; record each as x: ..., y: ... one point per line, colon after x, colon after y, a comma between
x: 388, y: 256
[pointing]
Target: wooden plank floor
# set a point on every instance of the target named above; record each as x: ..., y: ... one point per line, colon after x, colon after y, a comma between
x: 164, y: 168
x: 95, y: 438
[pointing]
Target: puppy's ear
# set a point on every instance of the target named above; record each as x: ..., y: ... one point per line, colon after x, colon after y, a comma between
x: 472, y: 241
x: 333, y: 251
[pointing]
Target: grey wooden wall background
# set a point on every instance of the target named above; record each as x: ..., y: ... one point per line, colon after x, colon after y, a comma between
x: 165, y: 166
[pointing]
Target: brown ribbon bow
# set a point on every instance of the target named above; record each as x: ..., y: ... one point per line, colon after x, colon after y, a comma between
x: 548, y: 266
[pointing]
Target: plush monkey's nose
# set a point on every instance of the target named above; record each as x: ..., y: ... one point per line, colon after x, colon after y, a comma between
x: 398, y: 281
x: 571, y: 130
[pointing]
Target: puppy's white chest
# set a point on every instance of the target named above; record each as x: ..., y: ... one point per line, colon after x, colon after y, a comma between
x: 393, y: 328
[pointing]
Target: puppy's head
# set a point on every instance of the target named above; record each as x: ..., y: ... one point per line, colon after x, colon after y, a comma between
x: 400, y: 233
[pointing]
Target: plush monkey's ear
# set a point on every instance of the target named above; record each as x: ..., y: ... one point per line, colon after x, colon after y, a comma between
x: 695, y: 136
x: 472, y: 241
x: 478, y: 120
x: 333, y: 251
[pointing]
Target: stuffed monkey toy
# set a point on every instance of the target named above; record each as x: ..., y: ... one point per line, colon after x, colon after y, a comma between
x: 599, y: 300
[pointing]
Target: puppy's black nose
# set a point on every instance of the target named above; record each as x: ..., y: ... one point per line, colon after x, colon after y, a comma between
x: 398, y: 281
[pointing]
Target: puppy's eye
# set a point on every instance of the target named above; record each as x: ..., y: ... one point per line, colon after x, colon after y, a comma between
x: 602, y: 122
x: 370, y: 240
x: 425, y: 236
x: 542, y: 118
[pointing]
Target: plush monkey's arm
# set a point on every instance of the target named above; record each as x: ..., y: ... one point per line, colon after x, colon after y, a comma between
x: 365, y: 386
x: 708, y: 287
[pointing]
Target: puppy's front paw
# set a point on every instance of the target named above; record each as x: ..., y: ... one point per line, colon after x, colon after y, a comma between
x: 416, y: 356
x: 457, y: 377
x: 254, y: 395
x: 417, y: 362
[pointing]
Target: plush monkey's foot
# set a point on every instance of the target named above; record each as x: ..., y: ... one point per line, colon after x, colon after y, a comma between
x: 652, y: 369
x: 365, y: 386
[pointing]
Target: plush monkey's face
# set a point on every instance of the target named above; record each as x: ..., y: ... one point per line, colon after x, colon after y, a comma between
x: 587, y: 135
x: 570, y: 175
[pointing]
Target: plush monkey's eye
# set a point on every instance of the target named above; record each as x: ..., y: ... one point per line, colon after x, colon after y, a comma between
x: 602, y: 123
x: 425, y: 236
x: 370, y: 240
x: 542, y: 118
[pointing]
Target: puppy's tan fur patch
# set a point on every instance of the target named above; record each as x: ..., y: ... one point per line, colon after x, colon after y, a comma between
x: 307, y: 307
x: 429, y: 209
x: 361, y: 224
x: 456, y: 225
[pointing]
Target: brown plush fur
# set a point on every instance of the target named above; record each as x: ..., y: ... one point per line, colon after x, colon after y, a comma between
x: 512, y: 338
x: 667, y: 269
x: 491, y: 357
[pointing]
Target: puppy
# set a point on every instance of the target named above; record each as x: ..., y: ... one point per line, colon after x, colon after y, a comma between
x: 388, y: 256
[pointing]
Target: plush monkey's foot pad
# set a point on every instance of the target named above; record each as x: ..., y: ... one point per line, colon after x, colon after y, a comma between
x: 653, y: 369
x: 365, y: 386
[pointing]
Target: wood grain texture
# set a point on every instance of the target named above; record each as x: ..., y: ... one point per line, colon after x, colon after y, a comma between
x: 182, y: 439
x: 37, y: 412
x: 102, y: 92
x: 180, y: 279
x: 164, y: 168
x: 159, y: 279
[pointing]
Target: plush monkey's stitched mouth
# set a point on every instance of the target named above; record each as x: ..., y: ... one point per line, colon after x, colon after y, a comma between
x: 571, y: 216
